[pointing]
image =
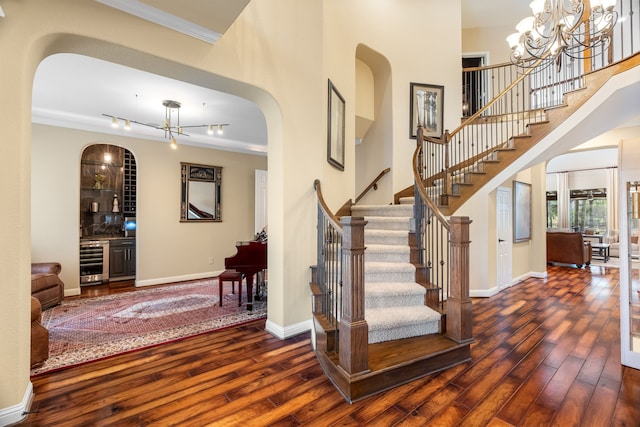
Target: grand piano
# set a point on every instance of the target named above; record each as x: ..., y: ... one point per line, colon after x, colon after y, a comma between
x: 250, y: 260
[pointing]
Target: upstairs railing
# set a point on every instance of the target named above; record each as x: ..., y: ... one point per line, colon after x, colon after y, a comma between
x: 499, y: 103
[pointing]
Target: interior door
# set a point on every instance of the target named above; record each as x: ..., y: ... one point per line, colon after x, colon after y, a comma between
x: 504, y: 234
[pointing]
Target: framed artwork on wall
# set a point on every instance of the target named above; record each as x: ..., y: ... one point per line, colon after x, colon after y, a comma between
x: 335, y: 128
x: 426, y: 109
x: 521, y: 211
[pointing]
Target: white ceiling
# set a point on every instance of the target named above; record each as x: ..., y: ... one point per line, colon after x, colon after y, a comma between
x: 74, y: 91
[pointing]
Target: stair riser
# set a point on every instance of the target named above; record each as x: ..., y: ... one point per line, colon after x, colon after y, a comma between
x: 376, y: 336
x: 392, y: 301
x: 378, y: 223
x: 382, y: 239
x: 400, y: 276
x: 384, y: 211
x: 386, y: 257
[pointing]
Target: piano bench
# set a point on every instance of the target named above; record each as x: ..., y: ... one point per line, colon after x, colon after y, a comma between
x: 233, y: 277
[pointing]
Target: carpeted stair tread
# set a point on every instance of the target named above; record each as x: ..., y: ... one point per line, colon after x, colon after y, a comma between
x: 387, y: 237
x: 389, y: 272
x: 388, y: 223
x: 391, y: 294
x: 387, y: 253
x: 391, y: 323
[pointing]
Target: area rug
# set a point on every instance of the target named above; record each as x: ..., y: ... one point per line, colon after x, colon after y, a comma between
x: 89, y: 329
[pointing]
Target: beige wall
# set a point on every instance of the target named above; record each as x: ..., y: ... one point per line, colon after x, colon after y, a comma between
x: 167, y: 250
x: 258, y: 59
x: 491, y: 40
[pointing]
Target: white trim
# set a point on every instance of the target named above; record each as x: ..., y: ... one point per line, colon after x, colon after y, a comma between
x: 284, y: 332
x: 487, y: 293
x: 157, y: 16
x: 483, y: 293
x: 173, y: 279
x: 536, y: 274
x: 16, y: 413
x: 482, y: 54
x: 72, y: 292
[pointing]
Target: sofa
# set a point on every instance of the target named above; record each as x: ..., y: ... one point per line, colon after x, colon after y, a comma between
x: 39, y: 335
x: 568, y: 248
x: 46, y: 285
x: 613, y: 239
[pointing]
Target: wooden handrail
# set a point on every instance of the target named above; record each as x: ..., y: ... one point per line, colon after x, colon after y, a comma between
x: 374, y: 184
x: 335, y: 223
x: 497, y: 98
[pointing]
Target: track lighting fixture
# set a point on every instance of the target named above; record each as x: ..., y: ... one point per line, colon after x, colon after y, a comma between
x: 169, y: 127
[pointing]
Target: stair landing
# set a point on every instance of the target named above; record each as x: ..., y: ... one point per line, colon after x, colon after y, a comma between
x: 393, y: 363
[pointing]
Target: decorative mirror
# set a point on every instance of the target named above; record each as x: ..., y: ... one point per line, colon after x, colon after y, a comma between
x: 201, y: 196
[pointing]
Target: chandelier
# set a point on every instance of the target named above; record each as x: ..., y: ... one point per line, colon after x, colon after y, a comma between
x: 169, y: 127
x: 562, y: 28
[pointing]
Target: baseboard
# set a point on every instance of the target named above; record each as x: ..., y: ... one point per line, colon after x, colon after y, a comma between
x: 16, y: 413
x: 174, y: 279
x: 288, y: 331
x: 535, y: 274
x: 483, y: 293
x: 487, y: 293
x: 72, y: 292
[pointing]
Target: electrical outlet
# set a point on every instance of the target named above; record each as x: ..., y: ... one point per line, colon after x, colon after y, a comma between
x: 210, y: 260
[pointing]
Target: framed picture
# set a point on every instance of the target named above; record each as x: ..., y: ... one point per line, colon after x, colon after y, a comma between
x: 427, y: 105
x: 521, y: 211
x: 335, y: 128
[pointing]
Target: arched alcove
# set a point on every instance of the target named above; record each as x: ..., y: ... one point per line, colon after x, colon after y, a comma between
x: 374, y: 149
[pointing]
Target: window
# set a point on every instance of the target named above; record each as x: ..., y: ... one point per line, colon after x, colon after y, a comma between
x: 552, y: 209
x: 588, y: 210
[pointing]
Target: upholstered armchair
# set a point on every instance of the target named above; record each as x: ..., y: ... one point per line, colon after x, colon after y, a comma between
x: 39, y: 335
x: 613, y: 239
x: 46, y: 285
x: 568, y: 248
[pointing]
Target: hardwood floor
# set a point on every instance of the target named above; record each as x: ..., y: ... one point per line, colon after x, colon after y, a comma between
x: 546, y: 353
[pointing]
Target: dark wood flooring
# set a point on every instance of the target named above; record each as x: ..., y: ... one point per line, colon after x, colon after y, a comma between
x: 546, y: 353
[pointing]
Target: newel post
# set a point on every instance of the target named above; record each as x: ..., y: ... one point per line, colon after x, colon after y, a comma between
x: 354, y: 331
x: 459, y: 310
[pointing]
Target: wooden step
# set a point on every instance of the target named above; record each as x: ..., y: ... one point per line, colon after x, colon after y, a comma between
x: 392, y: 363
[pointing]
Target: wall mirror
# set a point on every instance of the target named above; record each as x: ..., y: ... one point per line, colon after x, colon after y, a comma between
x: 201, y: 196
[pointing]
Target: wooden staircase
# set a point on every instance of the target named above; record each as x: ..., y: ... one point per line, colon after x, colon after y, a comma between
x: 359, y: 368
x: 470, y: 175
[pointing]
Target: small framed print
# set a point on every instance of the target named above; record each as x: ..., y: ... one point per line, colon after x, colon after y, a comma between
x: 426, y: 109
x: 335, y: 128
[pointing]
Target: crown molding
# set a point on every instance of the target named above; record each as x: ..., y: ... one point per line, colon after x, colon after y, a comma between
x: 157, y: 16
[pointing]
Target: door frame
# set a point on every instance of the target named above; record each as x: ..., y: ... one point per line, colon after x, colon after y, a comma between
x: 504, y: 234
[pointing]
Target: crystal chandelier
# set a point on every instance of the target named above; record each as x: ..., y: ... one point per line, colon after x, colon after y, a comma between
x: 571, y: 28
x: 170, y: 128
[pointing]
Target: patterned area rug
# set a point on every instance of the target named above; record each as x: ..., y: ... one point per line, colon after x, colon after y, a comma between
x: 87, y: 329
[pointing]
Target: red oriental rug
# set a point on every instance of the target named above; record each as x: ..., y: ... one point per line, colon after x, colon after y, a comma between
x: 88, y: 329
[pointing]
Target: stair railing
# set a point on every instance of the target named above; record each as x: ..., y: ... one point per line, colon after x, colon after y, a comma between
x: 340, y: 282
x: 374, y: 184
x: 499, y: 103
x: 443, y: 256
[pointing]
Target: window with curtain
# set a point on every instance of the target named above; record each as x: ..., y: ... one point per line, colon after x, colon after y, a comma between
x: 587, y: 210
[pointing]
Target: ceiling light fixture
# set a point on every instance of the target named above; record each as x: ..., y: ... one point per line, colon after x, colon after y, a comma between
x: 561, y: 28
x: 169, y: 127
